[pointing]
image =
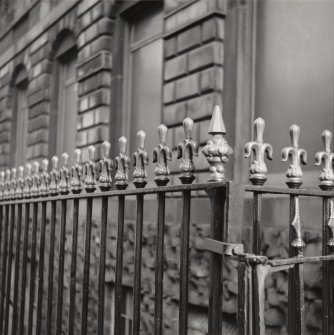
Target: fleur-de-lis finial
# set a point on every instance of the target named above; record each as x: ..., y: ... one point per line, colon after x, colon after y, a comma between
x: 64, y: 184
x: 76, y: 185
x: 122, y: 165
x: 13, y: 184
x: 326, y: 157
x: 7, y: 185
x: 2, y: 185
x: 36, y: 180
x: 217, y: 151
x: 162, y: 154
x: 45, y: 179
x: 187, y: 150
x: 90, y: 171
x: 297, y: 156
x: 106, y: 164
x: 20, y: 183
x: 54, y: 177
x: 140, y: 159
x: 258, y: 168
x: 28, y: 182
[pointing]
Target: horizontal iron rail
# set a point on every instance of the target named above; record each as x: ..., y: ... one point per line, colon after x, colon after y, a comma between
x: 281, y: 190
x: 127, y: 192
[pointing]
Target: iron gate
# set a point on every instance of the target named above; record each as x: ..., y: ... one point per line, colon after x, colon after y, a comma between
x: 45, y: 192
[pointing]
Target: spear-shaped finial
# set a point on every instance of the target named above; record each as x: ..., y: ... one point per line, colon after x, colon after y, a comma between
x: 13, y: 184
x: 7, y: 185
x: 122, y: 165
x: 187, y: 150
x: 140, y: 159
x: 64, y: 184
x: 28, y: 182
x: 297, y: 156
x: 258, y: 168
x: 76, y: 185
x: 90, y: 171
x: 217, y: 151
x: 2, y: 185
x: 36, y: 180
x: 106, y: 164
x: 20, y: 183
x: 326, y: 157
x: 162, y: 154
x: 54, y: 177
x: 45, y: 179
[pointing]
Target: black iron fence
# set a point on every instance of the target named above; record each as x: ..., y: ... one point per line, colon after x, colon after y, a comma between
x: 44, y: 193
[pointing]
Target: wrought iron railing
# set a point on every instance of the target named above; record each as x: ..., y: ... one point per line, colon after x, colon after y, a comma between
x: 44, y: 192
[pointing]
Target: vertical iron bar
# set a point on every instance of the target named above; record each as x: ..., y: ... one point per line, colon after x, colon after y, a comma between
x: 17, y: 268
x: 159, y: 267
x: 137, y: 274
x: 61, y: 267
x: 85, y: 285
x: 296, y: 305
x: 9, y: 269
x: 257, y: 209
x: 24, y: 267
x: 102, y: 267
x: 184, y: 268
x: 73, y: 264
x: 41, y: 271
x: 51, y: 267
x: 4, y: 268
x: 32, y: 267
x: 326, y: 298
x: 217, y: 199
x: 119, y: 266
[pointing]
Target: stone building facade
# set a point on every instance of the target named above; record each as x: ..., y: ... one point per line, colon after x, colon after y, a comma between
x: 76, y: 73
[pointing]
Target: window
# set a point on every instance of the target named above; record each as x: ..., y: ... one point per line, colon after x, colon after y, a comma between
x: 143, y: 73
x: 20, y: 118
x: 295, y: 75
x: 65, y: 93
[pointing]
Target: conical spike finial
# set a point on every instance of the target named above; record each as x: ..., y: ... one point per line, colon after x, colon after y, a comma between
x: 217, y: 125
x: 217, y: 151
x: 326, y: 157
x: 297, y: 156
x: 90, y: 171
x: 140, y: 158
x: 258, y: 168
x: 122, y: 165
x: 76, y: 185
x: 106, y: 164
